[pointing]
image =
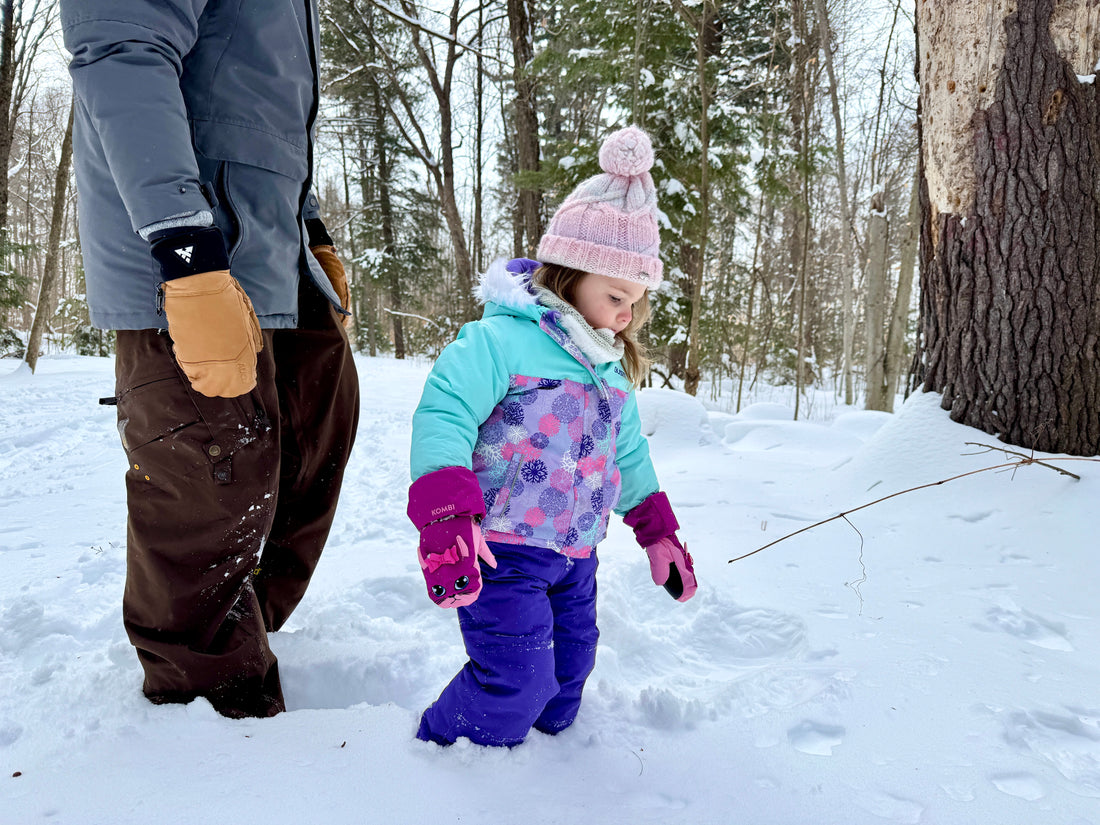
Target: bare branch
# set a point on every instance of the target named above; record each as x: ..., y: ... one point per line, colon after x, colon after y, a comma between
x: 1023, y: 461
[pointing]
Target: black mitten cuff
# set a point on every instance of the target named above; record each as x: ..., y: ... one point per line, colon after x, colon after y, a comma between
x: 188, y: 251
x: 318, y: 235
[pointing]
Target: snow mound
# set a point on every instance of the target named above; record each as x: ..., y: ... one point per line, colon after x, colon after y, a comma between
x: 674, y: 418
x: 918, y: 445
x: 862, y: 423
x: 766, y: 411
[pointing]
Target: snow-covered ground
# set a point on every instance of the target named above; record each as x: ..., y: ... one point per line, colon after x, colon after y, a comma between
x: 942, y: 665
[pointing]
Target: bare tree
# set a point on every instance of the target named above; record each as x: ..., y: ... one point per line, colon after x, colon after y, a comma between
x: 878, y: 394
x: 437, y: 155
x: 847, y: 239
x: 53, y: 249
x: 23, y: 30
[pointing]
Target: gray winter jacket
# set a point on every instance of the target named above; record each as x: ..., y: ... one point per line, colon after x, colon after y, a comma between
x: 182, y: 105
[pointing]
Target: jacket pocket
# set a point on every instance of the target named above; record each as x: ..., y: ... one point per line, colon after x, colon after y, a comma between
x: 169, y: 430
x: 227, y: 215
x: 504, y: 494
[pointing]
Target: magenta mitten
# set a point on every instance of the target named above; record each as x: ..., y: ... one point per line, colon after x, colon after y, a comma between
x: 670, y: 563
x: 444, y: 506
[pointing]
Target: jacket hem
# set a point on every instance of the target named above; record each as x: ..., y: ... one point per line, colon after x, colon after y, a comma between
x: 114, y: 320
x: 534, y: 541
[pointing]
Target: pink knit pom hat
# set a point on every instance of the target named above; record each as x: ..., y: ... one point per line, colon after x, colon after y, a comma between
x: 608, y: 225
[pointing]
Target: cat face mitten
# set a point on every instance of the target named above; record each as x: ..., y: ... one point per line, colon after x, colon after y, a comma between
x: 445, y: 506
x: 450, y: 554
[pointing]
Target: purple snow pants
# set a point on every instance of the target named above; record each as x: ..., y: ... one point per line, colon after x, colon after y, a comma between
x: 531, y: 638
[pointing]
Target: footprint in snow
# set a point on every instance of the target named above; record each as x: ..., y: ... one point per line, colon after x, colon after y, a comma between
x: 1069, y: 742
x: 888, y: 806
x: 753, y: 634
x: 815, y: 738
x: 1029, y: 627
x: 1022, y: 785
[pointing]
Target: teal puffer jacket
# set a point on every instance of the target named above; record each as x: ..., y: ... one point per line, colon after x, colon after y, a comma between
x: 554, y: 440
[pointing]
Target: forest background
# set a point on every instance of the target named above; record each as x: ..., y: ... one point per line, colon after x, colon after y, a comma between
x: 786, y: 142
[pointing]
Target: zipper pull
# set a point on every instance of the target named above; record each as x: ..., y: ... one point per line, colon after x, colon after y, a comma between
x: 160, y: 299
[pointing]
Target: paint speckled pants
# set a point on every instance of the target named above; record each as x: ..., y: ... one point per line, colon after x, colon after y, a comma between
x: 531, y: 638
x: 230, y: 502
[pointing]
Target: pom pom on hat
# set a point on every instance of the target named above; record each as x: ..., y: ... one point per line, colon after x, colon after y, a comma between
x: 608, y: 224
x: 628, y: 153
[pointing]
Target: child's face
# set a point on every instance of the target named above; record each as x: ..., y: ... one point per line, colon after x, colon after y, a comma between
x: 607, y: 303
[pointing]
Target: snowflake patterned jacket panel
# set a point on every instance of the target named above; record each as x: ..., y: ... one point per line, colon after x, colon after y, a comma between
x: 545, y: 459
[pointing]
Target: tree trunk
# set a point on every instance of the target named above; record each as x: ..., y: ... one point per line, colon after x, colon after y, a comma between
x: 53, y: 249
x: 874, y: 279
x: 526, y: 120
x: 350, y: 253
x: 1010, y: 152
x: 369, y: 316
x: 899, y: 319
x: 389, y: 244
x: 7, y: 121
x: 848, y: 310
x: 798, y: 216
x: 691, y: 383
x: 479, y: 140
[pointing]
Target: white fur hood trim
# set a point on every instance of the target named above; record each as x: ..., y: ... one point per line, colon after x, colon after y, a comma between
x: 508, y: 289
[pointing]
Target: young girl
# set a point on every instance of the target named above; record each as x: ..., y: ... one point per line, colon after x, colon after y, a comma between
x: 527, y: 436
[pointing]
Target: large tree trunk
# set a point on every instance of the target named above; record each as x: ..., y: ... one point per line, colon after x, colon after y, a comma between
x: 1010, y: 150
x: 53, y: 247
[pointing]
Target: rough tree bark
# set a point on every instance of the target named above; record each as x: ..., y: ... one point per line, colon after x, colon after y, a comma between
x: 1010, y: 153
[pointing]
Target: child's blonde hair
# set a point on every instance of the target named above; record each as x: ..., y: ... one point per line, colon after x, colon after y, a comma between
x: 562, y: 281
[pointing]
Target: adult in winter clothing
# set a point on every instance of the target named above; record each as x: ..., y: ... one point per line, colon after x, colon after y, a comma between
x: 237, y: 396
x: 526, y: 438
